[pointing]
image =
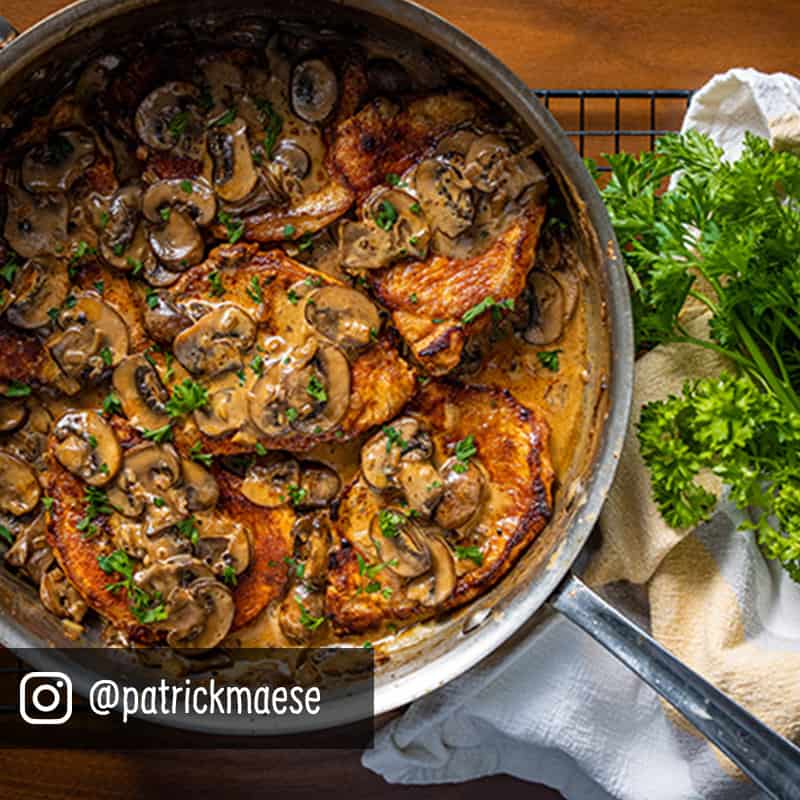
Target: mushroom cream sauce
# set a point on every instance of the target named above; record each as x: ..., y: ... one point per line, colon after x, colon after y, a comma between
x: 292, y: 346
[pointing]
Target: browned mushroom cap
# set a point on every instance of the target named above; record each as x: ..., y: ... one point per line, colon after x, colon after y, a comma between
x: 165, y: 320
x: 547, y: 310
x: 199, y: 485
x: 319, y: 486
x: 267, y: 484
x: 87, y: 447
x: 30, y: 552
x: 312, y: 543
x: 464, y: 493
x: 400, y: 542
x: 35, y: 223
x: 55, y: 165
x: 445, y: 196
x: 344, y: 316
x: 199, y: 615
x: 13, y: 413
x: 222, y: 543
x: 311, y: 399
x: 30, y: 441
x: 40, y: 285
x: 167, y: 118
x: 164, y: 577
x: 141, y: 392
x: 177, y: 243
x: 233, y: 174
x: 292, y: 159
x: 60, y: 597
x: 484, y: 161
x: 216, y: 342
x: 93, y: 337
x: 433, y: 589
x: 393, y: 226
x: 381, y: 454
x: 19, y: 488
x: 226, y: 409
x: 193, y: 198
x: 314, y: 90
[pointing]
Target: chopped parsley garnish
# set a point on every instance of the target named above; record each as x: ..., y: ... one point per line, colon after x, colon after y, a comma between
x: 229, y: 576
x: 257, y: 365
x: 107, y: 356
x: 111, y: 404
x: 97, y: 505
x: 136, y: 265
x: 386, y: 215
x: 393, y: 437
x: 189, y: 530
x: 151, y: 298
x: 306, y: 619
x: 316, y: 390
x: 391, y: 522
x: 260, y: 449
x: 159, y: 502
x: 186, y: 397
x: 196, y: 454
x: 224, y: 119
x: 488, y: 302
x: 472, y: 553
x: 273, y: 127
x: 254, y: 290
x: 288, y: 230
x: 186, y: 186
x: 412, y: 298
x: 100, y: 286
x: 47, y: 502
x: 177, y: 125
x: 291, y: 414
x: 298, y: 567
x: 159, y: 435
x: 465, y: 450
x: 416, y: 208
x: 6, y: 534
x: 234, y: 228
x: 296, y: 494
x: 164, y: 213
x: 305, y: 242
x: 393, y: 179
x: 549, y: 359
x: 215, y: 281
x: 145, y: 607
x: 17, y: 389
x: 104, y: 219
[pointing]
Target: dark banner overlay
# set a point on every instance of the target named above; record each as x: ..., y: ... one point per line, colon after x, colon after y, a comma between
x: 113, y: 699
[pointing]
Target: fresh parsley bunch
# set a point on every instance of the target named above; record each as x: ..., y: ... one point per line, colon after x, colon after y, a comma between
x: 728, y: 236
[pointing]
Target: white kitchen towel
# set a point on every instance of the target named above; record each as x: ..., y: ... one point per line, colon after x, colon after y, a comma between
x: 558, y: 709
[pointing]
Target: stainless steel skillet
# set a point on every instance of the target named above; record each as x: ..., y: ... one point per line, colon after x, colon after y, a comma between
x: 438, y: 652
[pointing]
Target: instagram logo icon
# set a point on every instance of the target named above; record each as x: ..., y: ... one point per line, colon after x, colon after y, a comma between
x: 45, y: 698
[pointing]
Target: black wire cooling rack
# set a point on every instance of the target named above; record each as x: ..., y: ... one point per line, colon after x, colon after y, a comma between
x: 598, y: 121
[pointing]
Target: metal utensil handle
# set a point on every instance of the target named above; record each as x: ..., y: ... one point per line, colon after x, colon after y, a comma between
x: 771, y: 761
x: 7, y: 31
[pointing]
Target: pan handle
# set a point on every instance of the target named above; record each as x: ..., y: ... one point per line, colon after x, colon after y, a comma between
x: 7, y: 32
x: 771, y: 762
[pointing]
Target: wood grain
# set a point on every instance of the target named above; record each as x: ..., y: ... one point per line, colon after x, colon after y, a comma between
x: 550, y: 44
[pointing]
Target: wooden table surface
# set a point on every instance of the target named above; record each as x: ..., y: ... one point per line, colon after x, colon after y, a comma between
x: 551, y: 44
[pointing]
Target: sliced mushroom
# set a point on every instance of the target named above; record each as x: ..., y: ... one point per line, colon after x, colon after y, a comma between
x: 382, y: 453
x: 392, y: 226
x: 421, y: 484
x: 193, y: 198
x: 312, y: 543
x: 93, y: 338
x: 344, y: 316
x: 123, y: 239
x: 87, y: 447
x: 433, y: 589
x: 167, y: 118
x: 319, y: 486
x: 216, y: 342
x: 13, y: 413
x: 35, y: 223
x: 19, y: 487
x: 199, y: 615
x: 547, y: 310
x: 227, y: 407
x: 222, y: 543
x: 292, y: 159
x: 311, y: 398
x: 30, y: 552
x: 484, y: 161
x: 39, y: 286
x: 267, y: 484
x: 445, y: 196
x: 55, y: 165
x: 177, y: 242
x: 29, y: 442
x: 464, y: 494
x: 406, y: 551
x: 165, y: 320
x: 299, y: 613
x: 202, y: 491
x: 234, y: 175
x: 164, y: 577
x: 141, y: 392
x: 60, y: 597
x: 314, y: 90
